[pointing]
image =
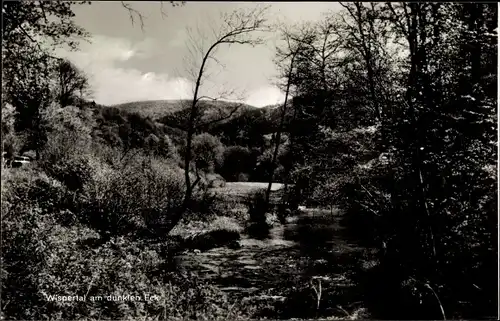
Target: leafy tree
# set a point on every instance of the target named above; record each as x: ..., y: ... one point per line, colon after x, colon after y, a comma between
x: 31, y: 31
x: 71, y: 83
x: 32, y: 76
x: 237, y: 160
x: 404, y: 144
x: 367, y: 37
x: 318, y: 83
x: 439, y: 138
x: 208, y: 152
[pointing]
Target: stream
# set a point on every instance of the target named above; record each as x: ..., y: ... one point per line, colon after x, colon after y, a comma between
x: 285, y: 257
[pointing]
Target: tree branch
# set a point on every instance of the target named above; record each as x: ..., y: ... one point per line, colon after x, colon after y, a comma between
x: 231, y: 113
x: 132, y: 12
x: 236, y: 28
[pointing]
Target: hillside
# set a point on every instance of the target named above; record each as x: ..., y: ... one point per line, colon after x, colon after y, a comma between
x: 152, y: 108
x: 157, y: 109
x: 242, y: 126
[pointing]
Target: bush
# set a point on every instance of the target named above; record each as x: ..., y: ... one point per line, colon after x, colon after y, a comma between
x: 197, y: 301
x: 141, y: 196
x: 38, y: 261
x: 202, y: 206
x: 226, y: 223
x: 258, y: 208
x: 29, y: 186
x: 74, y: 171
x: 215, y: 205
x: 243, y: 177
x: 12, y: 142
x: 41, y: 257
x: 68, y: 156
x: 422, y: 252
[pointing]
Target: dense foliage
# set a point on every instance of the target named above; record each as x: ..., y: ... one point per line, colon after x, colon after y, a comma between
x: 31, y: 31
x: 419, y: 182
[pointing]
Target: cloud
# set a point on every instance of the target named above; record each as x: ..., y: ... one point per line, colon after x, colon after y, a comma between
x: 178, y: 40
x: 112, y: 84
x: 265, y: 96
x: 114, y: 79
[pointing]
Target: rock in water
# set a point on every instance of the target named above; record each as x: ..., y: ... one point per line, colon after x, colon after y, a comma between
x: 234, y: 245
x: 213, y: 239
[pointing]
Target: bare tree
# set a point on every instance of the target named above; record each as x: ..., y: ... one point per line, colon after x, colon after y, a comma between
x: 295, y: 43
x: 319, y: 55
x: 366, y: 33
x: 236, y: 28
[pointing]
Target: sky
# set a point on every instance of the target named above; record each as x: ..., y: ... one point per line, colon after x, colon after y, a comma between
x: 127, y: 64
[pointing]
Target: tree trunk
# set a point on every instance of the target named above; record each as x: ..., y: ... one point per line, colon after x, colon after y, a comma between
x: 278, y: 133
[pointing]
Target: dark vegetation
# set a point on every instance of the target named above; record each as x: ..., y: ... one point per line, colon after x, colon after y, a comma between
x: 392, y: 120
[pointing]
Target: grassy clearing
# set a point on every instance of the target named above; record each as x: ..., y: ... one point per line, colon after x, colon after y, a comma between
x: 244, y: 191
x: 245, y: 188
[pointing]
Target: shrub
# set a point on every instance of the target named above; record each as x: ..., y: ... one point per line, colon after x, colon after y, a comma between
x: 167, y: 148
x: 68, y: 157
x: 226, y: 223
x: 202, y: 206
x: 243, y: 177
x: 79, y: 120
x: 29, y: 186
x: 141, y: 196
x: 36, y: 257
x: 424, y: 251
x: 11, y: 141
x: 41, y: 258
x: 208, y: 206
x: 195, y: 300
x: 38, y: 261
x: 74, y: 171
x: 258, y: 208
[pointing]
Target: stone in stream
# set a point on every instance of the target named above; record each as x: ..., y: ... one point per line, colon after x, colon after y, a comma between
x: 271, y: 298
x: 239, y: 289
x: 213, y: 239
x: 234, y: 245
x: 247, y: 261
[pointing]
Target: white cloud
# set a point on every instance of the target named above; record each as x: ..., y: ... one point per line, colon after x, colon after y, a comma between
x: 265, y: 96
x: 112, y: 84
x: 178, y: 39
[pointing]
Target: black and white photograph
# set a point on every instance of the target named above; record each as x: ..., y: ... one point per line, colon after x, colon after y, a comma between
x: 203, y: 160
